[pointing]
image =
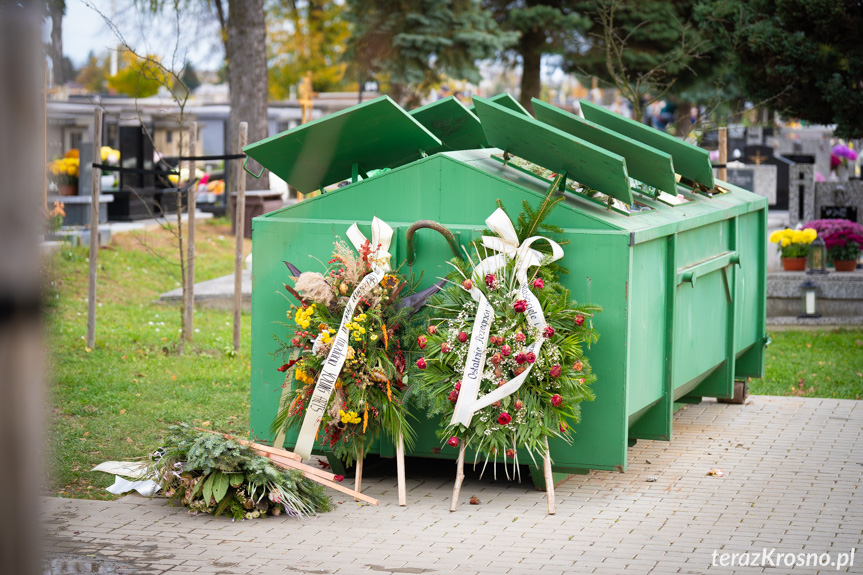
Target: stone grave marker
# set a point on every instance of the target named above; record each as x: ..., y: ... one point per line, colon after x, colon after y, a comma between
x: 764, y: 155
x: 839, y: 200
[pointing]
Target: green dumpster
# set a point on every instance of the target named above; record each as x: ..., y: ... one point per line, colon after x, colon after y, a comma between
x: 676, y: 259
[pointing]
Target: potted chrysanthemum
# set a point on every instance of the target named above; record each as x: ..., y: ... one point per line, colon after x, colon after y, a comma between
x: 794, y: 247
x: 843, y: 239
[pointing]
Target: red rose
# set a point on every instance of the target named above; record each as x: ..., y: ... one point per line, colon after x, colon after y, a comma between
x: 452, y: 441
x: 467, y: 284
x: 555, y: 371
x: 504, y: 418
x: 577, y: 366
x: 432, y: 329
x: 518, y: 404
x: 510, y: 453
x: 491, y: 281
x: 548, y: 332
x: 521, y: 358
x: 453, y: 396
x: 421, y: 363
x: 563, y: 427
x: 520, y: 337
x: 538, y: 283
x: 520, y: 306
x: 579, y: 319
x: 556, y: 400
x: 531, y: 357
x: 462, y: 336
x: 458, y: 386
x: 506, y: 350
x: 496, y: 404
x: 339, y: 478
x: 422, y: 341
x: 519, y: 370
x: 496, y: 358
x: 444, y: 347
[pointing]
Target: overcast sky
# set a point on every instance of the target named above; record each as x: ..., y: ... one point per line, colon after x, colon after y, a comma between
x: 84, y: 30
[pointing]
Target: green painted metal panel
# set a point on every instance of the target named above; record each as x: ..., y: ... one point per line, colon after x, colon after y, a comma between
x: 554, y: 149
x: 374, y: 134
x: 649, y: 165
x: 690, y: 161
x: 452, y: 123
x: 507, y: 101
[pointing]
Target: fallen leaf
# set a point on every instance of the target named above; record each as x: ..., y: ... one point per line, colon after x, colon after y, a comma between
x: 716, y: 473
x: 174, y: 377
x: 474, y: 500
x: 859, y: 342
x: 205, y: 424
x: 122, y: 411
x: 808, y: 344
x: 128, y: 440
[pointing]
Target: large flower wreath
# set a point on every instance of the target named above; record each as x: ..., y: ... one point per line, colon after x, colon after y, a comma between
x: 547, y: 401
x: 367, y: 398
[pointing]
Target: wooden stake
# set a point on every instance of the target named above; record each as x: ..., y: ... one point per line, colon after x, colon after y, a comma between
x: 94, y: 229
x: 459, y: 478
x: 191, y: 206
x: 549, y: 479
x: 723, y: 154
x: 358, y: 474
x: 239, y: 228
x: 45, y: 137
x: 400, y: 470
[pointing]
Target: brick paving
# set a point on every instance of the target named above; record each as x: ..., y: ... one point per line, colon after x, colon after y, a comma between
x: 794, y: 482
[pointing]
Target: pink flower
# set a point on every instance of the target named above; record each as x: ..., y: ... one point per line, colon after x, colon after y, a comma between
x: 563, y: 427
x: 452, y: 441
x: 504, y: 418
x: 462, y: 336
x: 579, y: 319
x: 520, y: 306
x: 555, y: 371
x: 538, y: 283
x: 496, y: 358
x: 556, y: 400
x: 510, y: 453
x: 520, y: 337
x: 495, y: 340
x: 422, y: 341
x: 467, y: 284
x: 496, y: 403
x: 491, y: 282
x: 548, y: 332
x: 521, y: 358
x: 339, y: 478
x: 518, y: 404
x: 506, y: 350
x: 581, y: 380
x: 453, y: 396
x: 531, y: 357
x: 458, y: 386
x: 421, y: 363
x: 444, y: 347
x: 432, y: 329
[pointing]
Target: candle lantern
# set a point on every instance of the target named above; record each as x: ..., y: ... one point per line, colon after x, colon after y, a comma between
x: 817, y: 257
x: 808, y: 290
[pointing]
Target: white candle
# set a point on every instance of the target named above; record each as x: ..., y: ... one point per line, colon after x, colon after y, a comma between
x: 810, y: 302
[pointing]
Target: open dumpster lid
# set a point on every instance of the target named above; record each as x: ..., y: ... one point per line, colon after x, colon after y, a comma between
x: 690, y: 161
x: 452, y: 123
x: 644, y: 163
x: 507, y: 101
x: 554, y: 149
x: 374, y: 134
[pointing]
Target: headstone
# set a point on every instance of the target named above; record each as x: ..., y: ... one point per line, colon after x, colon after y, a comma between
x: 839, y: 200
x: 764, y: 155
x: 801, y: 190
x: 85, y: 169
x: 742, y: 177
x: 754, y: 136
x: 757, y: 179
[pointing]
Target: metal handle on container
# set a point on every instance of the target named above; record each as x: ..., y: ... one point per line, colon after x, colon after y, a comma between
x: 691, y: 273
x: 432, y: 225
x: 258, y: 176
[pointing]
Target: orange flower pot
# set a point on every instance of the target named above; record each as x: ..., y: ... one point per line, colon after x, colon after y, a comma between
x: 845, y: 265
x: 794, y: 264
x: 68, y: 190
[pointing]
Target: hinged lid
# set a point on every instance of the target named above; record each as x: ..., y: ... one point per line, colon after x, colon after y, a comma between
x: 452, y: 123
x: 374, y: 134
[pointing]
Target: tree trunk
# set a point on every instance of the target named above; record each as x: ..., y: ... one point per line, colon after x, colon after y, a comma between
x: 57, y: 9
x: 246, y: 53
x: 530, y: 48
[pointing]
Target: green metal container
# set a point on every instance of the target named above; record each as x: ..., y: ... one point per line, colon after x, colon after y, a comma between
x: 680, y: 269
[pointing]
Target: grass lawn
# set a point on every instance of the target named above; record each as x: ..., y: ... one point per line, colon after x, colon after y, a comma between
x: 114, y: 402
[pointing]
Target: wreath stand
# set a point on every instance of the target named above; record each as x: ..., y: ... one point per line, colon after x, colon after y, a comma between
x: 546, y: 468
x: 400, y: 471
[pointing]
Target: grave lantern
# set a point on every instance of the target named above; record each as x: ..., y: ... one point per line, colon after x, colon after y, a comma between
x: 808, y: 290
x: 817, y: 257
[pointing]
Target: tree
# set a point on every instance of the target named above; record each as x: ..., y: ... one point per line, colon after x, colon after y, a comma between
x: 189, y: 76
x: 413, y: 46
x: 139, y: 77
x: 56, y: 11
x: 802, y: 57
x: 311, y: 36
x: 94, y: 74
x: 542, y: 28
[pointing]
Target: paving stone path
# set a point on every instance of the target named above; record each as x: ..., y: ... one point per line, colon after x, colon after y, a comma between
x: 794, y: 482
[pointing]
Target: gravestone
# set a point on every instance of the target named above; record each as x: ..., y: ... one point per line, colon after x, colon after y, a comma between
x: 754, y: 136
x: 801, y: 190
x: 757, y: 179
x: 839, y: 200
x: 764, y: 155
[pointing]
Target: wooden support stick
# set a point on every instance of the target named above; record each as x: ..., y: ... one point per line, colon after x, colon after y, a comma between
x: 358, y: 473
x: 239, y: 229
x: 44, y: 150
x: 191, y: 206
x: 723, y: 154
x: 549, y: 479
x: 459, y: 478
x: 400, y: 470
x: 94, y: 229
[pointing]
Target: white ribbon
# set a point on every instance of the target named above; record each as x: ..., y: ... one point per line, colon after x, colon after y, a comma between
x: 526, y: 257
x: 381, y: 236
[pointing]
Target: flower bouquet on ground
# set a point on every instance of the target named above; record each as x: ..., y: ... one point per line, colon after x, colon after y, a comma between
x: 793, y: 245
x: 211, y: 474
x: 346, y: 360
x: 502, y: 360
x: 842, y: 238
